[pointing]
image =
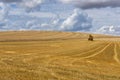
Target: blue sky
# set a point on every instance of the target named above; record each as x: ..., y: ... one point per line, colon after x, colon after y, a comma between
x: 98, y: 16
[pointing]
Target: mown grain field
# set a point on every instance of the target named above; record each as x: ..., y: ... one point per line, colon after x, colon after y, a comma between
x: 58, y: 56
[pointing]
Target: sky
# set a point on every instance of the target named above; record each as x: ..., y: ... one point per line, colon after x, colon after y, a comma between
x: 96, y: 16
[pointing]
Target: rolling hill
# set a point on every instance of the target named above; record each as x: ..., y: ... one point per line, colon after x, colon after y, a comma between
x: 45, y: 35
x: 45, y: 55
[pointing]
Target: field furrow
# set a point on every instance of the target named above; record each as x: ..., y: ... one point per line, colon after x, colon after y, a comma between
x: 58, y: 56
x: 116, y: 53
x: 99, y: 51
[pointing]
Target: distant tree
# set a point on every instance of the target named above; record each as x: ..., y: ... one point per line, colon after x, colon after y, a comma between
x: 90, y: 38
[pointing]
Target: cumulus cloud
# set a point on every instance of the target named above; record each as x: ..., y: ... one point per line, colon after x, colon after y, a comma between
x: 29, y: 5
x: 54, y: 25
x: 109, y: 30
x: 3, y: 11
x: 78, y: 21
x: 40, y: 24
x: 87, y: 4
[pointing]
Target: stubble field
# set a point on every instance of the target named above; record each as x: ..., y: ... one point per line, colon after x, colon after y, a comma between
x: 58, y: 56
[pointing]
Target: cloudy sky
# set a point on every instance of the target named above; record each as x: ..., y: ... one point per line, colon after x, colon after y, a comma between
x: 98, y: 16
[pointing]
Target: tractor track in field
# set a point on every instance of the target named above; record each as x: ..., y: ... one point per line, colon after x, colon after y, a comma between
x: 71, y: 58
x: 97, y: 48
x: 89, y: 51
x: 116, y: 53
x: 71, y: 55
x: 97, y: 52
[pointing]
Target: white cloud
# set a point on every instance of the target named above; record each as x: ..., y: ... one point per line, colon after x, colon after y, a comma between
x: 78, y: 21
x: 55, y: 22
x: 24, y: 3
x: 54, y: 25
x: 31, y: 4
x: 28, y: 5
x: 109, y: 30
x: 42, y: 14
x: 17, y: 17
x: 45, y: 25
x: 3, y: 11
